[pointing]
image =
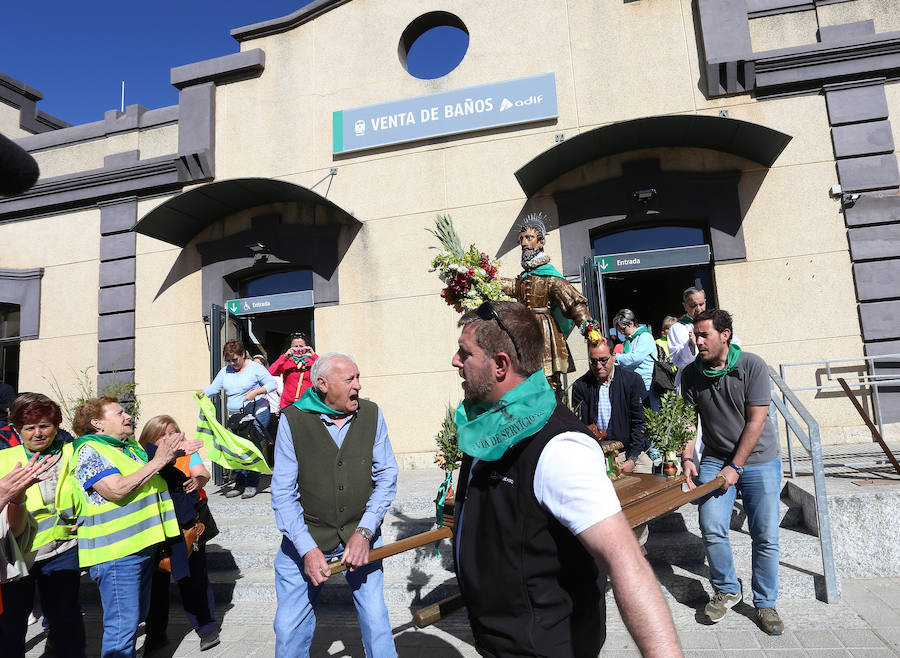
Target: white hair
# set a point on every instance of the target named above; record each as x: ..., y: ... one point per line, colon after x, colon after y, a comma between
x: 322, y: 366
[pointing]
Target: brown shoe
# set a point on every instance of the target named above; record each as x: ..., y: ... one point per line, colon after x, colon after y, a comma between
x: 769, y: 621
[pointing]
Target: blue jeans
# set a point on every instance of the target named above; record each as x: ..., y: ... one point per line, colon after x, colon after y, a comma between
x: 124, y: 586
x: 242, y: 477
x: 760, y: 487
x: 295, y: 617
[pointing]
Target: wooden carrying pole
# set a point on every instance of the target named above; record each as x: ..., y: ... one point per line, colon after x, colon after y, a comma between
x: 637, y: 512
x: 407, y: 544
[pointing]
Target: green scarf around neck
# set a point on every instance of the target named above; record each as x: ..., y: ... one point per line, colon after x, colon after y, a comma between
x: 311, y: 401
x: 565, y: 324
x: 488, y: 431
x: 129, y: 446
x: 734, y: 353
x: 686, y: 319
x: 54, y: 448
x: 627, y: 348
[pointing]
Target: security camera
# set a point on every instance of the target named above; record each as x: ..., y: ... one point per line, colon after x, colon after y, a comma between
x: 835, y: 191
x: 850, y: 199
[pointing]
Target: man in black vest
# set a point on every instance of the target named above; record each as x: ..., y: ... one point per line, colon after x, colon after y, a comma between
x: 334, y: 478
x: 613, y: 399
x: 538, y: 521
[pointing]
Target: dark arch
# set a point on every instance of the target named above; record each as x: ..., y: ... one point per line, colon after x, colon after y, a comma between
x: 748, y: 140
x: 181, y: 218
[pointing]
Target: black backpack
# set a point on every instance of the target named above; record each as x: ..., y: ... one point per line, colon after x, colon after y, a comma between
x: 663, y: 372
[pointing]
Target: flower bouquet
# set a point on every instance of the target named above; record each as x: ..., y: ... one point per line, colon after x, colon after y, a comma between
x: 592, y: 331
x: 469, y: 274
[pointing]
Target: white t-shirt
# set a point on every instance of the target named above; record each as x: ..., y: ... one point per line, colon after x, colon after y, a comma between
x: 570, y: 482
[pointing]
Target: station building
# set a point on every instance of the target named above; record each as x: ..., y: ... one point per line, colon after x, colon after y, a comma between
x: 299, y: 174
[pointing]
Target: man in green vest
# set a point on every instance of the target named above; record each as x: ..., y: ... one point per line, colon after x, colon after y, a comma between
x: 334, y: 478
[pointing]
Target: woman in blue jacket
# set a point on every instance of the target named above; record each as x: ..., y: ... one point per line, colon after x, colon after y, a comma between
x: 638, y: 350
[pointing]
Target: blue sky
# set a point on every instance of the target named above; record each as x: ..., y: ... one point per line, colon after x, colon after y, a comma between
x: 77, y: 53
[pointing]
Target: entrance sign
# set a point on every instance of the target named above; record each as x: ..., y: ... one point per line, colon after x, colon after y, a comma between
x: 267, y: 303
x: 446, y: 113
x: 652, y: 260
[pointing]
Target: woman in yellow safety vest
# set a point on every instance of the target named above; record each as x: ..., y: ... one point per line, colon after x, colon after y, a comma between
x: 124, y: 513
x: 55, y: 570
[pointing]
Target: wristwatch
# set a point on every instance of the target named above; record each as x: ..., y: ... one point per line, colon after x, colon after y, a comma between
x: 365, y: 532
x: 739, y: 469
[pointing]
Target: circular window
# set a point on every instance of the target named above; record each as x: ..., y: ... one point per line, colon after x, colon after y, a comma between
x: 433, y: 45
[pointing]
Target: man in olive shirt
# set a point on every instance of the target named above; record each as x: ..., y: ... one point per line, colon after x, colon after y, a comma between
x: 334, y: 479
x: 730, y: 390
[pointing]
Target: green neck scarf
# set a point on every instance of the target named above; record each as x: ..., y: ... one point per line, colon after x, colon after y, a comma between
x: 299, y: 361
x: 686, y: 319
x: 628, y: 341
x: 53, y: 449
x: 487, y: 432
x: 311, y: 401
x: 734, y: 353
x: 130, y: 447
x: 565, y: 324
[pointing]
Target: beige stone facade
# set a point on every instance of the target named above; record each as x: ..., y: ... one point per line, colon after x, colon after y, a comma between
x: 792, y: 295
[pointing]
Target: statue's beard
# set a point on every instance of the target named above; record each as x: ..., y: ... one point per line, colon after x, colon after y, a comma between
x: 533, y: 257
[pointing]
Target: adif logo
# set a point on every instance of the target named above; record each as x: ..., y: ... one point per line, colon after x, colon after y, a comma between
x: 506, y: 104
x: 359, y: 128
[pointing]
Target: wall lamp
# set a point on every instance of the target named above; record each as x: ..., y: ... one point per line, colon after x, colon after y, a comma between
x: 645, y: 196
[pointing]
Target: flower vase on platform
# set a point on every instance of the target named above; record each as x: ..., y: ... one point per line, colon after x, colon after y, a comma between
x: 670, y: 469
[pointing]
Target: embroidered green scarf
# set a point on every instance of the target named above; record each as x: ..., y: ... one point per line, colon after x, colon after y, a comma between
x: 565, y: 324
x: 130, y: 447
x: 627, y: 348
x: 734, y: 353
x: 487, y: 432
x: 311, y: 401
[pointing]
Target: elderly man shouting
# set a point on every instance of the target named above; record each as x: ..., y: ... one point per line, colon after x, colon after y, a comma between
x: 335, y: 477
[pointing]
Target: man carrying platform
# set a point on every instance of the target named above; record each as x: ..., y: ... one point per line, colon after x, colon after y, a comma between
x: 730, y: 390
x: 334, y: 479
x: 537, y: 519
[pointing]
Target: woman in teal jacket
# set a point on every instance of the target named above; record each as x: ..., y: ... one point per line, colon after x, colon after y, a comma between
x: 638, y: 350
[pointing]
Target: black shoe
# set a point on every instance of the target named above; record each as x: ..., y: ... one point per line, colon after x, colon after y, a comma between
x: 154, y: 642
x: 209, y: 640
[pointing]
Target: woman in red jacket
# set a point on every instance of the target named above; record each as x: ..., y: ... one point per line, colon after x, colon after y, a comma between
x: 294, y: 366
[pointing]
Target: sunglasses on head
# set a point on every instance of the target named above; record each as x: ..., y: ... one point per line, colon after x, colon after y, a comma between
x: 487, y: 312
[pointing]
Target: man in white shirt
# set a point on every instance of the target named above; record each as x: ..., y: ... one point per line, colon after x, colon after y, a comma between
x: 682, y: 343
x: 534, y: 507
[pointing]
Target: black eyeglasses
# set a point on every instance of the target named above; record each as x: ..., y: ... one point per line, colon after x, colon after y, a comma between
x: 487, y: 312
x: 603, y: 360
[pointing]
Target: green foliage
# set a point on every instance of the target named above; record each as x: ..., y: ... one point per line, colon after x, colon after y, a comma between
x: 85, y: 388
x: 674, y: 425
x: 449, y: 456
x: 446, y: 235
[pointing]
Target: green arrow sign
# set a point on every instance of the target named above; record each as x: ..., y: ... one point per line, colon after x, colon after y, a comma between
x: 267, y: 303
x: 652, y: 259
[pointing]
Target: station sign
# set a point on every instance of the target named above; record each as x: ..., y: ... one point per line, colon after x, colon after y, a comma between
x: 653, y: 259
x: 492, y: 105
x: 267, y: 303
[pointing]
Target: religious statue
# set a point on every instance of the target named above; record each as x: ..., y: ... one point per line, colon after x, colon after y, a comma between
x: 558, y: 305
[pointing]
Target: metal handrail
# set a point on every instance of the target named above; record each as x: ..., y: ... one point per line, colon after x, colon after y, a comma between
x: 811, y: 440
x: 870, y: 378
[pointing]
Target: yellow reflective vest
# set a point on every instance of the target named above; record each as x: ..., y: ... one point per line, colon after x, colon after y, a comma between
x: 118, y: 528
x: 49, y: 524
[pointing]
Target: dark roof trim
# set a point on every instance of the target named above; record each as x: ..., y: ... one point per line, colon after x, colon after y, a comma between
x: 240, y: 65
x: 181, y: 218
x: 747, y: 140
x: 24, y: 98
x: 277, y: 25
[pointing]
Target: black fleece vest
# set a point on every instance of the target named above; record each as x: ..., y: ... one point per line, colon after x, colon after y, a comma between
x: 531, y: 588
x: 334, y: 485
